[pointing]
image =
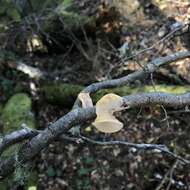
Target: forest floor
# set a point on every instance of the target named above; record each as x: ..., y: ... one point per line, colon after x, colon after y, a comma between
x: 98, y: 55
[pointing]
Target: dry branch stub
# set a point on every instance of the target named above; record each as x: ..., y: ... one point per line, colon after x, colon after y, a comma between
x: 85, y: 100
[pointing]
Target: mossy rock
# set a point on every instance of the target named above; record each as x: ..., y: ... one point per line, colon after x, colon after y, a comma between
x: 16, y: 112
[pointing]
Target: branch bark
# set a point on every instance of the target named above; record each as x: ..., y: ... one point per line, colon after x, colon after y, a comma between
x: 36, y: 144
x: 16, y: 137
x: 142, y: 146
x: 140, y: 74
x: 165, y: 99
x: 78, y: 116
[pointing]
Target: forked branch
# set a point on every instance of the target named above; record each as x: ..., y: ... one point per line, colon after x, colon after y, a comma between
x: 77, y: 116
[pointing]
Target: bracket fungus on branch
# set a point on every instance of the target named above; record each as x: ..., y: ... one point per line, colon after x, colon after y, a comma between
x: 105, y: 121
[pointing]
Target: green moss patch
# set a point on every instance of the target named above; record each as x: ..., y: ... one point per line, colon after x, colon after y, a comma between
x: 16, y: 112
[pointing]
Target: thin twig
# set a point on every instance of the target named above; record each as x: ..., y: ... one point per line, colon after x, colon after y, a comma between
x: 141, y: 146
x: 16, y: 137
x: 155, y: 44
x: 78, y: 116
x: 165, y: 178
x: 142, y: 73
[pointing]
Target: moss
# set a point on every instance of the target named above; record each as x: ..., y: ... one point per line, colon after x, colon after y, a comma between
x: 16, y: 112
x: 32, y: 180
x: 61, y: 93
x: 174, y: 89
x: 65, y: 94
x: 70, y: 15
x: 32, y: 188
x: 3, y: 186
x: 1, y: 108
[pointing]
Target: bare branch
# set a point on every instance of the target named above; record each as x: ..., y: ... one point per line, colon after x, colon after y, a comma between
x: 165, y: 178
x: 142, y: 146
x: 142, y: 73
x: 79, y: 116
x: 154, y: 98
x: 16, y: 137
x: 36, y: 144
x: 32, y: 72
x: 131, y: 101
x: 182, y: 28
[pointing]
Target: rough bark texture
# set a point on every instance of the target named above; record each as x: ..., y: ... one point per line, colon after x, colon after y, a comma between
x: 78, y: 116
x: 65, y: 94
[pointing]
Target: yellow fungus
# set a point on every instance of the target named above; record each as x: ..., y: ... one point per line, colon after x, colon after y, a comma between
x: 105, y: 121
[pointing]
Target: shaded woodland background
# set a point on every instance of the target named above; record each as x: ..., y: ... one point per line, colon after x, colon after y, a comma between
x: 50, y: 50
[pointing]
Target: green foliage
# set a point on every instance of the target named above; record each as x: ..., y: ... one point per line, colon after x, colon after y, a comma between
x: 67, y: 2
x: 83, y: 184
x: 24, y: 176
x: 65, y: 94
x: 89, y: 160
x: 20, y: 175
x: 32, y: 188
x: 84, y: 170
x: 8, y: 55
x: 61, y: 93
x: 40, y: 5
x: 70, y: 15
x: 72, y: 19
x: 8, y: 11
x: 12, y: 150
x: 3, y: 186
x: 7, y: 86
x: 51, y: 172
x: 32, y: 179
x: 1, y: 108
x: 16, y: 112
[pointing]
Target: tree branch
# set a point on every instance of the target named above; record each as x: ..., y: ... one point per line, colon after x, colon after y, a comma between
x: 165, y: 99
x: 142, y: 73
x: 37, y: 143
x: 32, y: 72
x: 16, y: 137
x: 142, y: 146
x: 79, y: 116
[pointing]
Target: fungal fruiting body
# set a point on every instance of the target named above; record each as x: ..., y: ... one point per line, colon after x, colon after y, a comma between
x: 105, y: 121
